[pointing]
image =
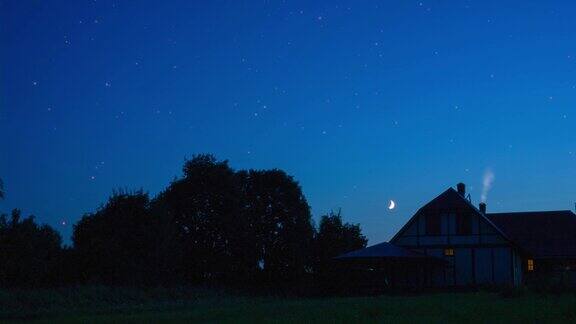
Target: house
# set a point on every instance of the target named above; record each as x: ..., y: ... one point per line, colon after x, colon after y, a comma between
x: 450, y: 242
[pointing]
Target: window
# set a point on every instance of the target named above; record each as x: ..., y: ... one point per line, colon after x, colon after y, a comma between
x: 463, y: 224
x: 530, y: 264
x: 433, y: 224
x: 449, y: 252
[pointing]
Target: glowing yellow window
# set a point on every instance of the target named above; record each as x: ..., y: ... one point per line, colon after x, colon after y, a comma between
x: 530, y: 264
x: 449, y: 252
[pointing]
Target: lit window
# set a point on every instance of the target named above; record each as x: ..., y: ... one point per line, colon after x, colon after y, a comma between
x: 530, y: 265
x: 449, y: 252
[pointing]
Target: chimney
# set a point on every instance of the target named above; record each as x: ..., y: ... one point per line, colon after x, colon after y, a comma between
x: 482, y: 207
x: 461, y: 188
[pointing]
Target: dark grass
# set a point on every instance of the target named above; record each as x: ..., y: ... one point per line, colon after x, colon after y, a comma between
x: 124, y: 305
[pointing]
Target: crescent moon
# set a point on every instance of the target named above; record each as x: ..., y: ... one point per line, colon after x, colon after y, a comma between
x: 392, y: 205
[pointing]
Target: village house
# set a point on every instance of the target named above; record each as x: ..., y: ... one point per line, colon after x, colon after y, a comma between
x: 450, y: 242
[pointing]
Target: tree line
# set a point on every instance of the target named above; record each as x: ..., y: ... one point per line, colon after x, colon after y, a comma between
x: 212, y: 225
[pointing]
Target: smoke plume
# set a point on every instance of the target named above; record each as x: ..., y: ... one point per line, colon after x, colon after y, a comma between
x: 487, y: 181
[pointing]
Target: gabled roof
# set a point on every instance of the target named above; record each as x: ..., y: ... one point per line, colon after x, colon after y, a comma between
x: 385, y: 250
x: 451, y: 199
x: 545, y: 234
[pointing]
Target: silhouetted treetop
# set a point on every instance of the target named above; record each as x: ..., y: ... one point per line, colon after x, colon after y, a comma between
x: 201, y: 163
x: 113, y: 244
x: 29, y: 252
x: 334, y: 238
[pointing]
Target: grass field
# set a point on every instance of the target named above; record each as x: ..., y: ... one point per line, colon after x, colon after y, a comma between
x: 114, y: 305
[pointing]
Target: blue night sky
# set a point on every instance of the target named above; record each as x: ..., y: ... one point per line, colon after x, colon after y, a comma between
x: 362, y: 102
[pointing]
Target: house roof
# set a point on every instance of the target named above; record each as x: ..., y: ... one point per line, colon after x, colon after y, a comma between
x: 385, y: 250
x: 451, y: 199
x: 545, y: 234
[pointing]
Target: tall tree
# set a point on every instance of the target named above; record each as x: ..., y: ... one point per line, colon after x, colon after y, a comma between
x: 114, y: 244
x: 203, y: 211
x: 29, y: 253
x: 280, y: 223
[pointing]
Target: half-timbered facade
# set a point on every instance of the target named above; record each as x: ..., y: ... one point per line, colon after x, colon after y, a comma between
x: 475, y: 250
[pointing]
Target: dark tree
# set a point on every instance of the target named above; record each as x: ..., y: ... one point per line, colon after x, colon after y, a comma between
x: 234, y: 227
x: 29, y: 253
x: 332, y: 239
x: 202, y: 211
x: 114, y: 244
x: 281, y: 229
x: 213, y: 225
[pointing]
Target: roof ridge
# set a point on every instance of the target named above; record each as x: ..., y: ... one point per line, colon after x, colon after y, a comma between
x: 451, y: 190
x: 534, y: 212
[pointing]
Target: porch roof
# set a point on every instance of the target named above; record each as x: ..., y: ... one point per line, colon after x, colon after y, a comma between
x: 386, y: 250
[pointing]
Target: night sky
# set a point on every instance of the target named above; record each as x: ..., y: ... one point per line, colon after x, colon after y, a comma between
x: 360, y: 101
